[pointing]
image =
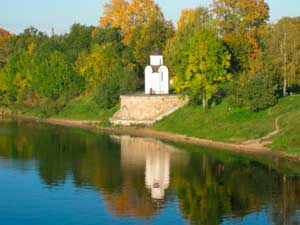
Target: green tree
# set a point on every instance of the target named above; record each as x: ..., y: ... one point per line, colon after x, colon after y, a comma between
x: 77, y: 40
x: 18, y: 74
x: 95, y: 66
x: 208, y: 63
x: 256, y: 93
x: 3, y: 86
x: 105, y: 74
x: 53, y: 74
x: 152, y: 36
x: 176, y: 51
x: 283, y: 48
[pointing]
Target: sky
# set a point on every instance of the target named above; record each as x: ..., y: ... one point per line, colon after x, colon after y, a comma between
x: 16, y: 15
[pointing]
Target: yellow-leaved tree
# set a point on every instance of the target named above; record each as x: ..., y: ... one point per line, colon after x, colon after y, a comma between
x: 129, y: 15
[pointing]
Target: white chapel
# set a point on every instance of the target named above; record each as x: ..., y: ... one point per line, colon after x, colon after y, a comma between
x: 156, y: 75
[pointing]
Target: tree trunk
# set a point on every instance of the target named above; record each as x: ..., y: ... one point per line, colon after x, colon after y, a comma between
x: 204, y: 102
x: 284, y: 86
x: 285, y: 65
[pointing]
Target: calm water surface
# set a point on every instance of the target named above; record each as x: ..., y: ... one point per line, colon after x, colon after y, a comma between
x: 66, y: 176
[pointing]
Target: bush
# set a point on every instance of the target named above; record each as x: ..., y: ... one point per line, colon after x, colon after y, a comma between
x: 121, y: 80
x: 107, y: 93
x: 256, y: 93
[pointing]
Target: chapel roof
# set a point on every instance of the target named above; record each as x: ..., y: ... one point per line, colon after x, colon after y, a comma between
x: 156, y: 52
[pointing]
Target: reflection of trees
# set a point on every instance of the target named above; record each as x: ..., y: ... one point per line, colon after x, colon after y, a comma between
x: 208, y: 187
x: 92, y: 160
x: 284, y: 208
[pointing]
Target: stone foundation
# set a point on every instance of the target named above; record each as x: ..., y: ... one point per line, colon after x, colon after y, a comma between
x: 146, y: 109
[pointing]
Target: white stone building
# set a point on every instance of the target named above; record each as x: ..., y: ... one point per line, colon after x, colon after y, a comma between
x: 156, y: 76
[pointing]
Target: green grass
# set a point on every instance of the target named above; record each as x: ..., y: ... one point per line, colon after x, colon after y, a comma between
x: 224, y: 123
x: 81, y: 108
x: 288, y: 139
x: 85, y: 108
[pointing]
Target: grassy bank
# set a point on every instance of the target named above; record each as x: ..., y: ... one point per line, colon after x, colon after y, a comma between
x: 221, y: 123
x: 82, y: 108
x: 224, y: 123
x: 85, y: 108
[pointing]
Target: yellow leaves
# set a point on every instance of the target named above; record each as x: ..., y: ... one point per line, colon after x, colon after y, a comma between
x: 95, y: 66
x: 19, y: 81
x: 127, y: 16
x: 187, y: 16
x: 242, y: 23
x: 31, y: 48
x: 115, y: 14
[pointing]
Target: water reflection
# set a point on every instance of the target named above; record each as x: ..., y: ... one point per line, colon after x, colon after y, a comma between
x: 139, y: 177
x: 153, y: 157
x: 145, y: 165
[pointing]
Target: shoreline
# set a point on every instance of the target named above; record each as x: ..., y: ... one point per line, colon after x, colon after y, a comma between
x: 249, y: 149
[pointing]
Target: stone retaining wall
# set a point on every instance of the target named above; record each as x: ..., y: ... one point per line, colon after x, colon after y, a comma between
x: 146, y: 109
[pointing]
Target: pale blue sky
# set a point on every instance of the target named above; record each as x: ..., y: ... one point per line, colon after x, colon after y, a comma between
x: 16, y: 15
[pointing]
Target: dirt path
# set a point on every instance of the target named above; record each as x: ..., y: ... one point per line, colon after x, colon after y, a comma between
x: 263, y: 141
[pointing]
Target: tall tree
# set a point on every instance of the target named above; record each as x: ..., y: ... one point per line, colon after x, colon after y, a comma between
x: 79, y: 39
x: 154, y: 35
x: 128, y: 16
x: 283, y: 47
x: 208, y: 63
x: 190, y: 22
x: 242, y: 24
x: 53, y: 75
x: 18, y: 74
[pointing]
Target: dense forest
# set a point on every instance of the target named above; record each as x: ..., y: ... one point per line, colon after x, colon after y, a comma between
x: 227, y: 52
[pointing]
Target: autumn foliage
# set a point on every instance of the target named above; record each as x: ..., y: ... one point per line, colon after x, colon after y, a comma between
x: 129, y: 15
x: 217, y: 53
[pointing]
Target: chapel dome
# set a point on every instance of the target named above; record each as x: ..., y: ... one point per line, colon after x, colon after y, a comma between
x: 156, y: 52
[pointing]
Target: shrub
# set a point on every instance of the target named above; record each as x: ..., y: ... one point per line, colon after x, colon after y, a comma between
x: 121, y: 80
x: 256, y: 93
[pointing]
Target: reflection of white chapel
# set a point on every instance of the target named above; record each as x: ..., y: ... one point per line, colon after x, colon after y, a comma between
x: 157, y: 173
x: 156, y: 75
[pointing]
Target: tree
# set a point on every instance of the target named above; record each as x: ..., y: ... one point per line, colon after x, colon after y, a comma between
x: 105, y: 74
x: 128, y: 16
x: 108, y: 34
x: 79, y: 39
x: 208, y: 63
x: 95, y: 66
x: 4, y: 47
x: 242, y: 24
x: 53, y: 74
x: 154, y: 35
x: 197, y: 57
x: 283, y: 48
x: 18, y: 74
x: 176, y: 51
x: 3, y: 86
x: 29, y: 40
x: 256, y: 93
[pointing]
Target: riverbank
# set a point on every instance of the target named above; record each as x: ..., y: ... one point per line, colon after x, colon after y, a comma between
x: 277, y: 127
x: 274, y: 131
x: 93, y: 125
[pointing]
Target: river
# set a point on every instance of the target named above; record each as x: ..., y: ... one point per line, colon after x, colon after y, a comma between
x: 70, y: 176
